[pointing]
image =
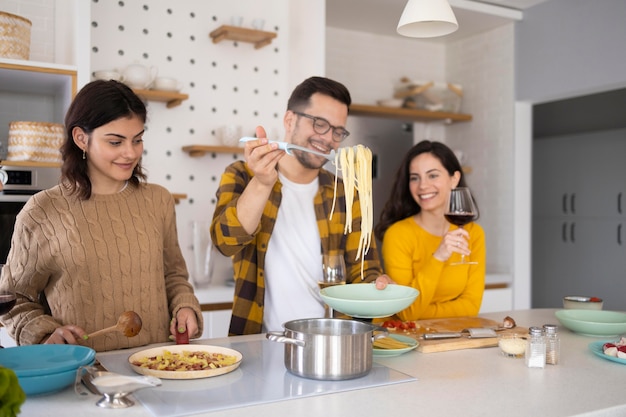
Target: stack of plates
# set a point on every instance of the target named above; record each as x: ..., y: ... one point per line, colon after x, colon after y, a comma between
x: 43, y: 369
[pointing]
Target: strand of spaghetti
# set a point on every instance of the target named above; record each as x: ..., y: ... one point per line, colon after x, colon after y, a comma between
x: 364, y: 181
x: 347, y: 168
x: 332, y: 209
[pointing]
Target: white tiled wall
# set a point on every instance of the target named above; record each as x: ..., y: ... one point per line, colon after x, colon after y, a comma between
x: 41, y: 14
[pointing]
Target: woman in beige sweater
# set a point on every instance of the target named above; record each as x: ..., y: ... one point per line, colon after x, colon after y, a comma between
x: 103, y: 241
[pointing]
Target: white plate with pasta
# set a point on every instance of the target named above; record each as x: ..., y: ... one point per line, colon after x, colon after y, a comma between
x: 185, y: 361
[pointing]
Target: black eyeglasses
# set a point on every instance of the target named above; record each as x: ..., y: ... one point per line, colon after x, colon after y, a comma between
x: 321, y: 126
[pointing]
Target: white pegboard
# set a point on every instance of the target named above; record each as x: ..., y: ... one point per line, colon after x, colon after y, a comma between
x: 227, y: 83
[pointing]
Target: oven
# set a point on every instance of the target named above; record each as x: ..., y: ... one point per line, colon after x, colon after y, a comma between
x: 17, y: 184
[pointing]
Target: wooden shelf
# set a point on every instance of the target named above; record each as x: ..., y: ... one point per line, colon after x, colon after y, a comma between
x: 201, y: 150
x: 413, y: 115
x: 171, y: 98
x: 178, y: 197
x: 235, y: 33
x: 30, y: 164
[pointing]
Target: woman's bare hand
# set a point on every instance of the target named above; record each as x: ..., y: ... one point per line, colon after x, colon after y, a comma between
x: 454, y: 241
x: 68, y: 334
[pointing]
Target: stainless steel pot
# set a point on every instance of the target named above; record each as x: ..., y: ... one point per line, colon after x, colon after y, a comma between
x: 328, y: 349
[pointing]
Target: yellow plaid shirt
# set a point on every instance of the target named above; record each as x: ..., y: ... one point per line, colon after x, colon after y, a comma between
x: 248, y: 250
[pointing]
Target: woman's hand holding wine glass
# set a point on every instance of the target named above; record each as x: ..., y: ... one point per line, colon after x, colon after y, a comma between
x: 460, y: 211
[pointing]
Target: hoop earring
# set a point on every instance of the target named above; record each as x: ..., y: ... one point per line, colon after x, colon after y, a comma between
x: 84, y: 154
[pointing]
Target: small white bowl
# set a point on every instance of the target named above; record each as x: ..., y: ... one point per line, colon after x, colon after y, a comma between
x: 107, y: 75
x: 512, y: 345
x: 577, y: 302
x: 393, y: 102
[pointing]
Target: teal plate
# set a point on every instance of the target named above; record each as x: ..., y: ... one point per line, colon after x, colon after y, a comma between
x: 596, y: 348
x: 594, y: 323
x: 397, y: 352
x: 366, y: 301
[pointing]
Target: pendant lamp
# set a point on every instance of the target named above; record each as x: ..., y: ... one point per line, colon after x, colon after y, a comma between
x: 427, y: 19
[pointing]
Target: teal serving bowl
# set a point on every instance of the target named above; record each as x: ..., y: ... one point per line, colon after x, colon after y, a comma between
x: 365, y: 301
x: 48, y: 383
x: 46, y: 368
x: 595, y: 323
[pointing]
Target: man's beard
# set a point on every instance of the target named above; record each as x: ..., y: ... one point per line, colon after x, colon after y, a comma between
x: 308, y: 161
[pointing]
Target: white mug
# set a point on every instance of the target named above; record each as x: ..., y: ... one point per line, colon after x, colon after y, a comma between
x: 166, y: 84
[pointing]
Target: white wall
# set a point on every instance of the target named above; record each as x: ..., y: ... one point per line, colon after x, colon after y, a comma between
x: 483, y: 64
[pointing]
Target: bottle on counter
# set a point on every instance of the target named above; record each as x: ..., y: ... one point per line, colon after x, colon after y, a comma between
x: 553, y: 344
x: 535, y: 354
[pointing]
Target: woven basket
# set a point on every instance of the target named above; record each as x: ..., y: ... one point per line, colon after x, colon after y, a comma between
x: 35, y: 141
x: 14, y: 36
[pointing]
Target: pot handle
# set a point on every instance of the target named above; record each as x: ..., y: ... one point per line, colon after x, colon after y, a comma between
x: 281, y: 338
x: 379, y: 332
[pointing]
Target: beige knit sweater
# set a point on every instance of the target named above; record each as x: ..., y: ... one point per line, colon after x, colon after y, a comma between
x: 92, y: 260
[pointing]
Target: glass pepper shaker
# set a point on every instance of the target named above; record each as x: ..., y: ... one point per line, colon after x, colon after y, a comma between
x: 553, y: 344
x: 535, y: 354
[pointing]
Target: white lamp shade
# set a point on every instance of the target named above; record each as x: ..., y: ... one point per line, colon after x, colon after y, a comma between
x: 427, y: 19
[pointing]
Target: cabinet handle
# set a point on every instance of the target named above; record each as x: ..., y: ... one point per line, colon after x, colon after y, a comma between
x: 572, y: 232
x: 572, y: 202
x: 564, y: 232
x: 619, y: 203
x: 619, y: 234
x: 564, y: 203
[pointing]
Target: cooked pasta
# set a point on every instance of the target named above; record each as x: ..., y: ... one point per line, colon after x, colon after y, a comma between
x: 355, y: 163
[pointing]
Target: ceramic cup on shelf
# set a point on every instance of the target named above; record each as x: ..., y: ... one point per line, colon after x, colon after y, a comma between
x: 166, y: 84
x: 230, y: 135
x: 139, y: 76
x: 107, y: 75
x: 236, y: 20
x: 258, y: 24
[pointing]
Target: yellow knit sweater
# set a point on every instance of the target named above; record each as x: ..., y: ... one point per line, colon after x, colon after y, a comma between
x: 86, y: 262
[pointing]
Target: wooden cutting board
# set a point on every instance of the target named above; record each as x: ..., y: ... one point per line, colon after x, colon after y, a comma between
x: 455, y: 324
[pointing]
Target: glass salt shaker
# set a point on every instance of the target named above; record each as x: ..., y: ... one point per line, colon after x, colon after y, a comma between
x: 535, y: 354
x: 553, y: 344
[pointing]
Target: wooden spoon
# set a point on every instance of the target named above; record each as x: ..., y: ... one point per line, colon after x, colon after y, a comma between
x: 129, y: 323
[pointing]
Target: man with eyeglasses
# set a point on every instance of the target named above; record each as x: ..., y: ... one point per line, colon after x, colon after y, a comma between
x: 273, y: 215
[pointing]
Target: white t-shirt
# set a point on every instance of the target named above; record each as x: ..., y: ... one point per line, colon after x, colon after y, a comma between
x: 293, y: 262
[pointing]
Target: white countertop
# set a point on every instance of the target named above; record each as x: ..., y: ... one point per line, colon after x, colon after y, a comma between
x: 222, y: 293
x: 477, y: 382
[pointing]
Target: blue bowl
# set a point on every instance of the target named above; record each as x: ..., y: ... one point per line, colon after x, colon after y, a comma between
x: 36, y: 360
x: 48, y: 383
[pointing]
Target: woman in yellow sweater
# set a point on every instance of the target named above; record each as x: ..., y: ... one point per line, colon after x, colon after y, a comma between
x: 419, y: 246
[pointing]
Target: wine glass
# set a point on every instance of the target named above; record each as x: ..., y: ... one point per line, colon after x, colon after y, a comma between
x: 460, y: 211
x: 334, y: 273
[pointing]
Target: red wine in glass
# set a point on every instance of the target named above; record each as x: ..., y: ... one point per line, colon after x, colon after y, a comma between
x: 460, y: 211
x: 459, y: 219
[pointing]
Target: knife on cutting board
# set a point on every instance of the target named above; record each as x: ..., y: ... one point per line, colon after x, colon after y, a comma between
x: 472, y: 333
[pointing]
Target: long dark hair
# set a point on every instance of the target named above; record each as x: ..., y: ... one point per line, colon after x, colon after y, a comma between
x: 401, y: 203
x: 301, y: 95
x: 96, y: 104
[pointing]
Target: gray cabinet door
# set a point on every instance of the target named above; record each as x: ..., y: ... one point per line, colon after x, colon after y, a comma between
x: 579, y: 218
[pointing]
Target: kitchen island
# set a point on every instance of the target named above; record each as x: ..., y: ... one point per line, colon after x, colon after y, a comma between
x: 475, y: 382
